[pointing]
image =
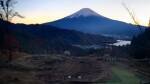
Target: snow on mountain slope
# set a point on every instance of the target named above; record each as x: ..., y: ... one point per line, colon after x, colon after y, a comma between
x: 88, y: 21
x: 85, y: 12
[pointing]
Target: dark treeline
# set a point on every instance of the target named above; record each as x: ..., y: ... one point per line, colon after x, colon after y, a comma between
x: 41, y: 39
x: 140, y: 47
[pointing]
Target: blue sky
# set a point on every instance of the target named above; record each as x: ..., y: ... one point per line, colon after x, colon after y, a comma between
x: 40, y: 11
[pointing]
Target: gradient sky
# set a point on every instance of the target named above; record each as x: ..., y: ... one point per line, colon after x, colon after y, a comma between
x: 41, y: 11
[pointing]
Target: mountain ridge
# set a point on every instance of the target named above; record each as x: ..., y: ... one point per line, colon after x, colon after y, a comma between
x: 42, y: 38
x: 96, y: 24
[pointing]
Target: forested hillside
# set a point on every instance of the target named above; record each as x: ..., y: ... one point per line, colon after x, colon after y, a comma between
x: 46, y: 39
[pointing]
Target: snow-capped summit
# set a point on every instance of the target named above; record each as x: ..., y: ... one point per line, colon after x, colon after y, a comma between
x: 88, y: 21
x: 84, y: 13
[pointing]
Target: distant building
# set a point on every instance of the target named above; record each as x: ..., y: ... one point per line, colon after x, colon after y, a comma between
x: 68, y: 53
x: 69, y: 77
x: 79, y: 77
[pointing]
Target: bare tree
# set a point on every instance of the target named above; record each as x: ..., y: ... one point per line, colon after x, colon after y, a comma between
x: 132, y: 15
x: 1, y: 16
x: 149, y: 23
x: 7, y: 11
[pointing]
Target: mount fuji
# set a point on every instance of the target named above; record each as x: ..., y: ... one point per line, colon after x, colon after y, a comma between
x: 88, y: 21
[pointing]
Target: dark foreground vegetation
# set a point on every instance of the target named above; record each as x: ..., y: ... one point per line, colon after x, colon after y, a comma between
x: 40, y: 54
x: 37, y: 54
x: 140, y: 51
x: 36, y: 39
x: 141, y: 45
x: 44, y: 54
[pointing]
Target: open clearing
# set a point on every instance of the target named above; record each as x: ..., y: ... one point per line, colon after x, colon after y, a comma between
x: 122, y: 76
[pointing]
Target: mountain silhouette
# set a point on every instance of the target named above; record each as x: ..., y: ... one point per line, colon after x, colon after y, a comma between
x: 88, y: 21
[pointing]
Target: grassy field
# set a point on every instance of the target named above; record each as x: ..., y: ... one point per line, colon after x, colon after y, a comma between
x: 122, y: 76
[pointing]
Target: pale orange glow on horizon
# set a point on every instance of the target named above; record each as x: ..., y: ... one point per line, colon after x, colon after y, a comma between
x: 40, y: 20
x: 32, y: 20
x: 35, y: 20
x: 43, y: 11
